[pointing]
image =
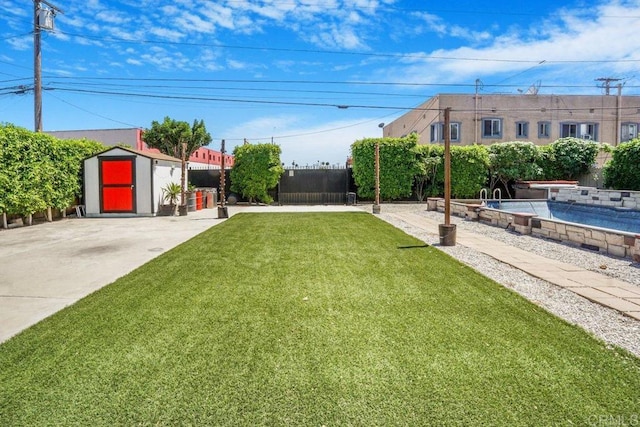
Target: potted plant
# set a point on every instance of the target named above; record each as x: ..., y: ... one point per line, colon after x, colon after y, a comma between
x: 171, y: 193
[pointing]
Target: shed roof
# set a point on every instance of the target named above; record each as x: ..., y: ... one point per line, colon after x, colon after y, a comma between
x: 148, y: 154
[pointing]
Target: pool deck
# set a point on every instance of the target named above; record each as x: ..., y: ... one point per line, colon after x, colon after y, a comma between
x: 596, y: 287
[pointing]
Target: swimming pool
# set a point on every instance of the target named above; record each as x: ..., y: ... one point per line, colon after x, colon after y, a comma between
x: 596, y: 216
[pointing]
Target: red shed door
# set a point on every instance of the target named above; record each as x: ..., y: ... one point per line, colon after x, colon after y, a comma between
x: 117, y: 188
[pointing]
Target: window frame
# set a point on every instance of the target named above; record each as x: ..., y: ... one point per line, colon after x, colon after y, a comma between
x: 593, y: 136
x: 627, y: 124
x: 544, y: 125
x: 522, y: 129
x: 438, y: 130
x: 492, y: 135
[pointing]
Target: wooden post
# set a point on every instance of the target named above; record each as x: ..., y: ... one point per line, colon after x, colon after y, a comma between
x: 447, y: 166
x: 222, y: 209
x: 376, y: 206
x: 183, y: 172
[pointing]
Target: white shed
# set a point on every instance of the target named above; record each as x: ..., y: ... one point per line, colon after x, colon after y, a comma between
x: 122, y: 181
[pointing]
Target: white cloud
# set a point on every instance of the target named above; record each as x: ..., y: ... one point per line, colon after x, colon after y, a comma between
x: 439, y: 26
x: 21, y: 43
x: 195, y: 23
x: 167, y: 33
x: 601, y: 36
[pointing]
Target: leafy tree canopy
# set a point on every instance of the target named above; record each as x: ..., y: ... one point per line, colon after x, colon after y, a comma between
x: 509, y: 161
x: 170, y: 135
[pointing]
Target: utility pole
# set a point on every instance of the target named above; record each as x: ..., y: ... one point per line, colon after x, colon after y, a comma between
x: 618, y: 114
x: 606, y: 83
x: 42, y: 20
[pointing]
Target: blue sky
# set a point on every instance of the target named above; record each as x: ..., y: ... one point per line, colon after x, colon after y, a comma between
x: 313, y: 75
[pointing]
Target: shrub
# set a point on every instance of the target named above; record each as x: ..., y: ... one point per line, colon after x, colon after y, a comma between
x: 398, y: 166
x: 256, y: 170
x: 621, y: 172
x: 568, y: 158
x: 469, y: 166
x: 510, y: 161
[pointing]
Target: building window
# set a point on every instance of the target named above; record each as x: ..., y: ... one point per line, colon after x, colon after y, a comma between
x: 522, y: 129
x: 492, y: 128
x: 544, y: 129
x: 588, y: 131
x: 628, y: 131
x: 437, y: 132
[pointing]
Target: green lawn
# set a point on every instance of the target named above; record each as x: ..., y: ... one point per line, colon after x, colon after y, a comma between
x: 310, y: 319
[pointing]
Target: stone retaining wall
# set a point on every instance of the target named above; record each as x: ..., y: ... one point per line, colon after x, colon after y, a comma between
x: 594, y: 196
x: 616, y: 243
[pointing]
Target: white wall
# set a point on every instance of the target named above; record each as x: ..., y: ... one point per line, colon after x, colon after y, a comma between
x: 163, y: 173
x: 91, y: 186
x: 144, y: 179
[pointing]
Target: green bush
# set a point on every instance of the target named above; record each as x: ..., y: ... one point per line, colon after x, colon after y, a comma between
x: 398, y: 166
x: 567, y: 158
x: 621, y: 172
x: 256, y: 170
x: 39, y: 171
x: 469, y: 170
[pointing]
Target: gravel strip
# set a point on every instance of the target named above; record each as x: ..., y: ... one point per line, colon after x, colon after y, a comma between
x: 607, y: 324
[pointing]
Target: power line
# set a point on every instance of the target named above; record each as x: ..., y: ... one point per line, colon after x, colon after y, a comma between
x: 314, y: 104
x: 317, y: 82
x: 349, y: 53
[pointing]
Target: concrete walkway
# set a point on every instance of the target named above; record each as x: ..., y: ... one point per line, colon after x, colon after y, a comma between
x: 607, y: 291
x: 46, y: 267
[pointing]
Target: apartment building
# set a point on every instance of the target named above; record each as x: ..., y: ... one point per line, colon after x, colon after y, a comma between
x: 541, y: 119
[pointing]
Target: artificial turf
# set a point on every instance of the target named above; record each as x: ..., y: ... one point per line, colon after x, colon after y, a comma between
x: 310, y: 319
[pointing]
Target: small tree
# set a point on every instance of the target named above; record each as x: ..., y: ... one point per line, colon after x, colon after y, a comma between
x: 177, y: 139
x: 511, y: 161
x: 256, y: 170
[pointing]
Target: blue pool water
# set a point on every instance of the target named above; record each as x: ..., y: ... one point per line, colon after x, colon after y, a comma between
x: 595, y: 216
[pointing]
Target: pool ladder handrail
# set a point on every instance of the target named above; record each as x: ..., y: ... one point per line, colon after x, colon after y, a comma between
x: 499, y: 198
x: 486, y: 195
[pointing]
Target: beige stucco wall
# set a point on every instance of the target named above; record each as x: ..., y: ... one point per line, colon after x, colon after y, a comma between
x: 602, y: 110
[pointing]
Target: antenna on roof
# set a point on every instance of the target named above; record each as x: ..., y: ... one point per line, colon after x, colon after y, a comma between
x: 534, y: 88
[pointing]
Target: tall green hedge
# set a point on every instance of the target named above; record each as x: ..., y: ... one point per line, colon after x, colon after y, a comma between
x: 256, y: 170
x: 39, y: 171
x: 398, y: 166
x: 621, y: 172
x: 469, y: 170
